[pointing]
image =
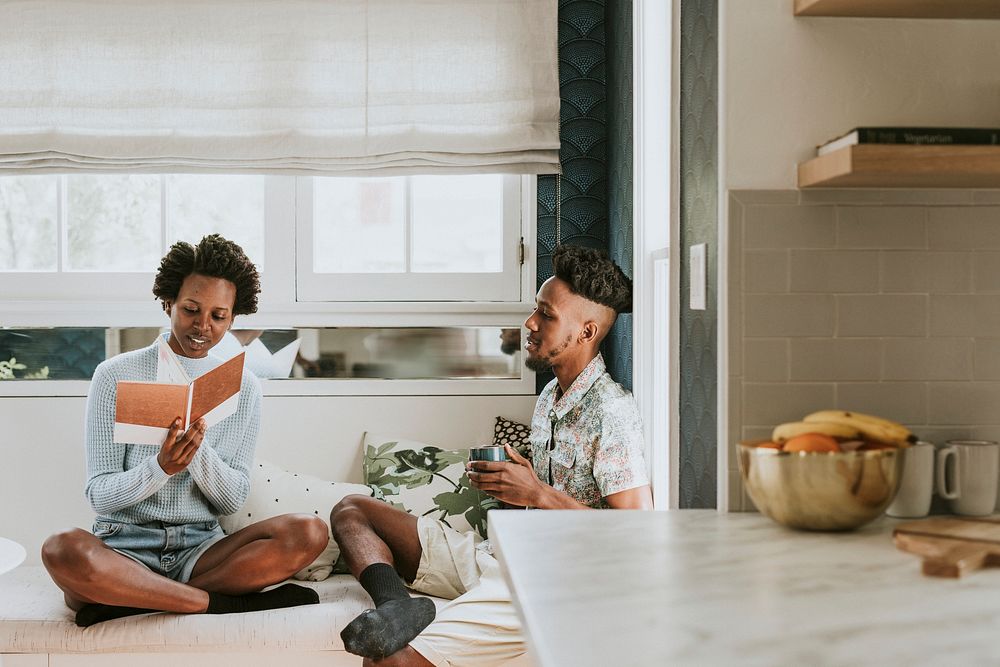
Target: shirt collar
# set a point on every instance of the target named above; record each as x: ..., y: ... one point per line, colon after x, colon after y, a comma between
x: 581, y: 385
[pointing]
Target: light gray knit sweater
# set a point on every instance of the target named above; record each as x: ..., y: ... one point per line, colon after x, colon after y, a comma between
x: 125, y: 483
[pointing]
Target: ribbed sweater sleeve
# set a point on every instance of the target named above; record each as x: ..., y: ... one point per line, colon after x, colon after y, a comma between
x: 110, y: 488
x: 226, y: 481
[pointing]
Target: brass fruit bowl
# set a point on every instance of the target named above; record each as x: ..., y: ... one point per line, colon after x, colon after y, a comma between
x: 820, y: 490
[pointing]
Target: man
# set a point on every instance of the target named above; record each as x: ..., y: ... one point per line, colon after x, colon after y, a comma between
x: 586, y: 442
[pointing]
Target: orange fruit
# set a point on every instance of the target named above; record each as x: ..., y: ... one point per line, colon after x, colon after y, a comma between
x: 768, y: 445
x: 811, y: 442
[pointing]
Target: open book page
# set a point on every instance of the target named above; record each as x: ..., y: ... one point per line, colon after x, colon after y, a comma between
x: 216, y: 394
x: 144, y: 411
x: 168, y: 367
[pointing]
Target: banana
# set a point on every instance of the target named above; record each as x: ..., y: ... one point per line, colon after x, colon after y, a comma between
x: 783, y: 432
x: 870, y: 426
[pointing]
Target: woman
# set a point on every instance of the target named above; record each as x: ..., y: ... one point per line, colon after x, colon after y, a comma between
x: 156, y: 543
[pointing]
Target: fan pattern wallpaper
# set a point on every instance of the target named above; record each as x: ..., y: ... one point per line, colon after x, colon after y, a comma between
x: 699, y: 216
x: 595, y: 79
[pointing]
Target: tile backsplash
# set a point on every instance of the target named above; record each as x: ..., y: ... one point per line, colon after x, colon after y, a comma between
x: 880, y: 301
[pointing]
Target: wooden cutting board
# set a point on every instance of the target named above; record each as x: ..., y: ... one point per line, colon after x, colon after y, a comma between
x: 951, y: 546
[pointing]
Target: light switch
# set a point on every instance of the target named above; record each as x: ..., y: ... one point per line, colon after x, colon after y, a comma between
x: 697, y: 282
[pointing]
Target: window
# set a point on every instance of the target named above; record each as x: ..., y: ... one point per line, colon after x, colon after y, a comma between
x: 416, y: 238
x: 357, y: 240
x: 418, y: 258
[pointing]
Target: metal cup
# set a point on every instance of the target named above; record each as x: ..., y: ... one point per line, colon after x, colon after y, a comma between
x: 491, y: 453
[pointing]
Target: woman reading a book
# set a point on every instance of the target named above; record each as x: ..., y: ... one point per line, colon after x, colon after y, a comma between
x: 156, y: 544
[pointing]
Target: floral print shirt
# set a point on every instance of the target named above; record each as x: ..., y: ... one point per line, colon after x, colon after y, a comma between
x: 587, y: 443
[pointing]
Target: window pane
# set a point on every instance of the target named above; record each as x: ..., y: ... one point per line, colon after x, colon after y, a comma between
x: 229, y: 205
x: 457, y: 224
x: 113, y: 223
x: 358, y: 225
x: 28, y: 232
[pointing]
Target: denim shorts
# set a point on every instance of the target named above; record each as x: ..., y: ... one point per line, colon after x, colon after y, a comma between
x: 168, y: 549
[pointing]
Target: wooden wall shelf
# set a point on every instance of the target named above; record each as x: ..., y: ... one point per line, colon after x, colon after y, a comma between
x: 903, y: 166
x: 914, y: 9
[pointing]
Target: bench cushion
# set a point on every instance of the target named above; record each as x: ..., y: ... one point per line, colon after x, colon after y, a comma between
x: 34, y: 619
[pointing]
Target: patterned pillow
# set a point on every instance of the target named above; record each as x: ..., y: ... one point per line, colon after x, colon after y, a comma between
x: 515, y: 434
x: 426, y: 481
x: 274, y: 491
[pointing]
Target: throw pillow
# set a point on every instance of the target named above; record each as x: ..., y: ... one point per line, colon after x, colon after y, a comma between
x: 426, y: 481
x: 509, y: 432
x: 274, y: 491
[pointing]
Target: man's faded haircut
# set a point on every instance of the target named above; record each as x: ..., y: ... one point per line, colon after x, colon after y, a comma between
x: 591, y: 274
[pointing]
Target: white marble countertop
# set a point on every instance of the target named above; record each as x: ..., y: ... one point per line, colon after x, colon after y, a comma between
x: 698, y: 587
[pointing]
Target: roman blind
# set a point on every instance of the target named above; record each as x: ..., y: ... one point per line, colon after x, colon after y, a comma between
x: 279, y: 86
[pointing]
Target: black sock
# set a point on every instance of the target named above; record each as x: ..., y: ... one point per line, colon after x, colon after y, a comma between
x: 288, y: 595
x: 89, y: 614
x: 382, y: 583
x: 377, y: 633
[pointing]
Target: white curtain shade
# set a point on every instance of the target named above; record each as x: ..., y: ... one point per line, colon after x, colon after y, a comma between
x: 279, y: 86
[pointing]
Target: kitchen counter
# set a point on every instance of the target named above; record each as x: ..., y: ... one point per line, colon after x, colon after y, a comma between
x: 699, y: 587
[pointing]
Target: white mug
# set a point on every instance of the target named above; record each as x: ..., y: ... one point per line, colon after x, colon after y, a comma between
x: 916, y: 483
x: 970, y: 483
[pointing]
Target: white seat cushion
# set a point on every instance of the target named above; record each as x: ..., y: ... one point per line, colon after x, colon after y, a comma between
x: 34, y: 619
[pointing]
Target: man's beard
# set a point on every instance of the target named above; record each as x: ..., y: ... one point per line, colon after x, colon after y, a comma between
x: 510, y: 347
x: 538, y: 364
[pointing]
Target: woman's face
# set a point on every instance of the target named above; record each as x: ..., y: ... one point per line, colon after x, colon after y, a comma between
x: 201, y: 315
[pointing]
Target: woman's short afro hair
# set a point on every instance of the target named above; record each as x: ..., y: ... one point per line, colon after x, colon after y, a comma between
x: 214, y: 257
x: 591, y: 274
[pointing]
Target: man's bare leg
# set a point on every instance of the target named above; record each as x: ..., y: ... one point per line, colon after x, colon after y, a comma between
x: 380, y: 544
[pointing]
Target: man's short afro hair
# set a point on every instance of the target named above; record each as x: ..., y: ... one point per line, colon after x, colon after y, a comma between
x: 591, y: 274
x: 214, y: 257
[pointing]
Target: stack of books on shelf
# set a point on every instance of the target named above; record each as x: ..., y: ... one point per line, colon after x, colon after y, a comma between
x: 922, y: 136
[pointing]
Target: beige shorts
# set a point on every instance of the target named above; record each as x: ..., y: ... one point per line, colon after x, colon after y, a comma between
x: 480, y: 625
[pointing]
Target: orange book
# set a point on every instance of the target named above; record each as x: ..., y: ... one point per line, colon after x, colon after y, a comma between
x: 144, y: 411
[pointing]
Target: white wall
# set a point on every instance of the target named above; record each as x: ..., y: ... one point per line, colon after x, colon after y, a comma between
x: 42, y: 457
x: 787, y: 84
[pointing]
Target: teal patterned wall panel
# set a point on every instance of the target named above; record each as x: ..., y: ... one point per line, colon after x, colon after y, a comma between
x: 618, y: 345
x: 699, y: 224
x: 583, y: 133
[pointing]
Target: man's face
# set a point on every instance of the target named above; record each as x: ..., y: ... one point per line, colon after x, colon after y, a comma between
x: 554, y: 326
x: 510, y: 340
x: 201, y: 315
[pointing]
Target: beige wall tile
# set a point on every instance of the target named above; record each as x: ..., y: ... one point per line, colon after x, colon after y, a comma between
x: 765, y: 360
x: 765, y: 196
x: 952, y: 315
x: 881, y: 315
x: 879, y: 227
x: 987, y: 359
x: 963, y: 228
x: 905, y: 402
x: 986, y: 271
x: 963, y: 403
x: 789, y: 227
x: 927, y: 359
x: 929, y: 197
x: 778, y: 315
x: 976, y: 315
x: 771, y: 404
x: 833, y: 359
x: 842, y: 196
x: 765, y: 271
x: 832, y: 271
x: 926, y: 272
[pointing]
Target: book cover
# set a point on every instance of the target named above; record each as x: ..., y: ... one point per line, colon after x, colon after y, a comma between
x: 922, y: 136
x: 144, y: 411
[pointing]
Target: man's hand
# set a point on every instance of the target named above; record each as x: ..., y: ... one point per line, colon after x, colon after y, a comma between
x: 513, y: 482
x: 177, y: 450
